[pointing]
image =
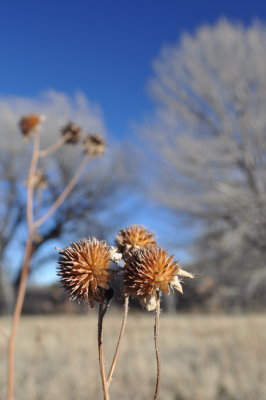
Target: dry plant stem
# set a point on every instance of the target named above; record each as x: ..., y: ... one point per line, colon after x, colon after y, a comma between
x: 33, y: 166
x: 156, y: 343
x: 16, y: 318
x: 24, y: 273
x: 39, y: 197
x: 61, y: 198
x: 100, y: 350
x: 122, y: 329
x: 54, y: 147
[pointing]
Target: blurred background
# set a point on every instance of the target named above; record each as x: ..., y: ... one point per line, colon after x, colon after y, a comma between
x: 179, y: 93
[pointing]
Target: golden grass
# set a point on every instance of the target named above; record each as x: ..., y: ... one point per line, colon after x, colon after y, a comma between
x: 203, y: 358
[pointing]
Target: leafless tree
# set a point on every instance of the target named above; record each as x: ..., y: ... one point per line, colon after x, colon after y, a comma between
x: 208, y: 134
x: 90, y: 209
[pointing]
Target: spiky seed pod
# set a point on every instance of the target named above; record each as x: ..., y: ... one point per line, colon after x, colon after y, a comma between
x: 39, y: 180
x: 84, y: 272
x: 148, y: 271
x: 94, y: 145
x: 72, y: 132
x: 132, y: 237
x: 30, y: 123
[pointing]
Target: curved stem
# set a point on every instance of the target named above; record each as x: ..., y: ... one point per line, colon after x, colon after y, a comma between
x: 156, y: 343
x: 122, y: 329
x: 61, y: 198
x: 51, y: 149
x: 100, y: 350
x: 24, y: 272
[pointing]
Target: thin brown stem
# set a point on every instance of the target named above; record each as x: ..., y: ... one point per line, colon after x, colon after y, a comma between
x: 24, y: 272
x: 156, y: 343
x: 122, y: 329
x: 61, y: 198
x: 100, y: 350
x: 33, y: 166
x: 51, y: 149
x: 16, y: 318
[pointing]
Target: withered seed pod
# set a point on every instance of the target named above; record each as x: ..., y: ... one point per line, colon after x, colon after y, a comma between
x: 134, y: 236
x: 72, y: 132
x: 84, y: 272
x: 94, y: 145
x: 30, y: 123
x: 150, y: 270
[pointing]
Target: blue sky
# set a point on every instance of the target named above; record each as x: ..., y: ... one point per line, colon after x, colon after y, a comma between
x: 103, y: 48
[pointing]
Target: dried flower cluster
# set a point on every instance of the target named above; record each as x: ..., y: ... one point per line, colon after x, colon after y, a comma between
x: 94, y: 145
x: 30, y: 123
x: 84, y: 271
x: 84, y: 267
x: 72, y: 133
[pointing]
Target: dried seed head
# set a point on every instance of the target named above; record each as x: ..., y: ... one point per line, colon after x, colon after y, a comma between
x: 84, y: 272
x: 148, y: 271
x: 72, y: 133
x: 39, y: 180
x: 94, y: 145
x: 30, y: 123
x: 134, y: 236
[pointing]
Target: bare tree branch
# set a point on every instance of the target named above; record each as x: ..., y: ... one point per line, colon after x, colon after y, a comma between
x: 208, y: 134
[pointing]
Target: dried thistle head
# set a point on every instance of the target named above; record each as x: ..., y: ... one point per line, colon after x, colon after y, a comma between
x: 94, y: 145
x: 39, y: 180
x: 30, y: 123
x: 72, y: 133
x: 84, y: 272
x: 132, y: 237
x: 150, y: 270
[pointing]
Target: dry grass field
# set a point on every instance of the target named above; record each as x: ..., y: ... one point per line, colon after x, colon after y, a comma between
x: 203, y: 358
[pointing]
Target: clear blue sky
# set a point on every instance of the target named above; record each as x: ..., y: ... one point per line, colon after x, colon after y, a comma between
x: 103, y: 48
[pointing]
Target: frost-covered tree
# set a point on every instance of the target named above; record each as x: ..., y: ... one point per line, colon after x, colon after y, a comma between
x: 90, y: 207
x: 208, y: 133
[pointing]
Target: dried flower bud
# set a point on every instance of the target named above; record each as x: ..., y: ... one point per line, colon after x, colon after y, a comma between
x: 150, y: 270
x: 134, y: 236
x: 94, y: 145
x: 72, y: 133
x: 84, y: 272
x: 30, y: 123
x: 39, y: 180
